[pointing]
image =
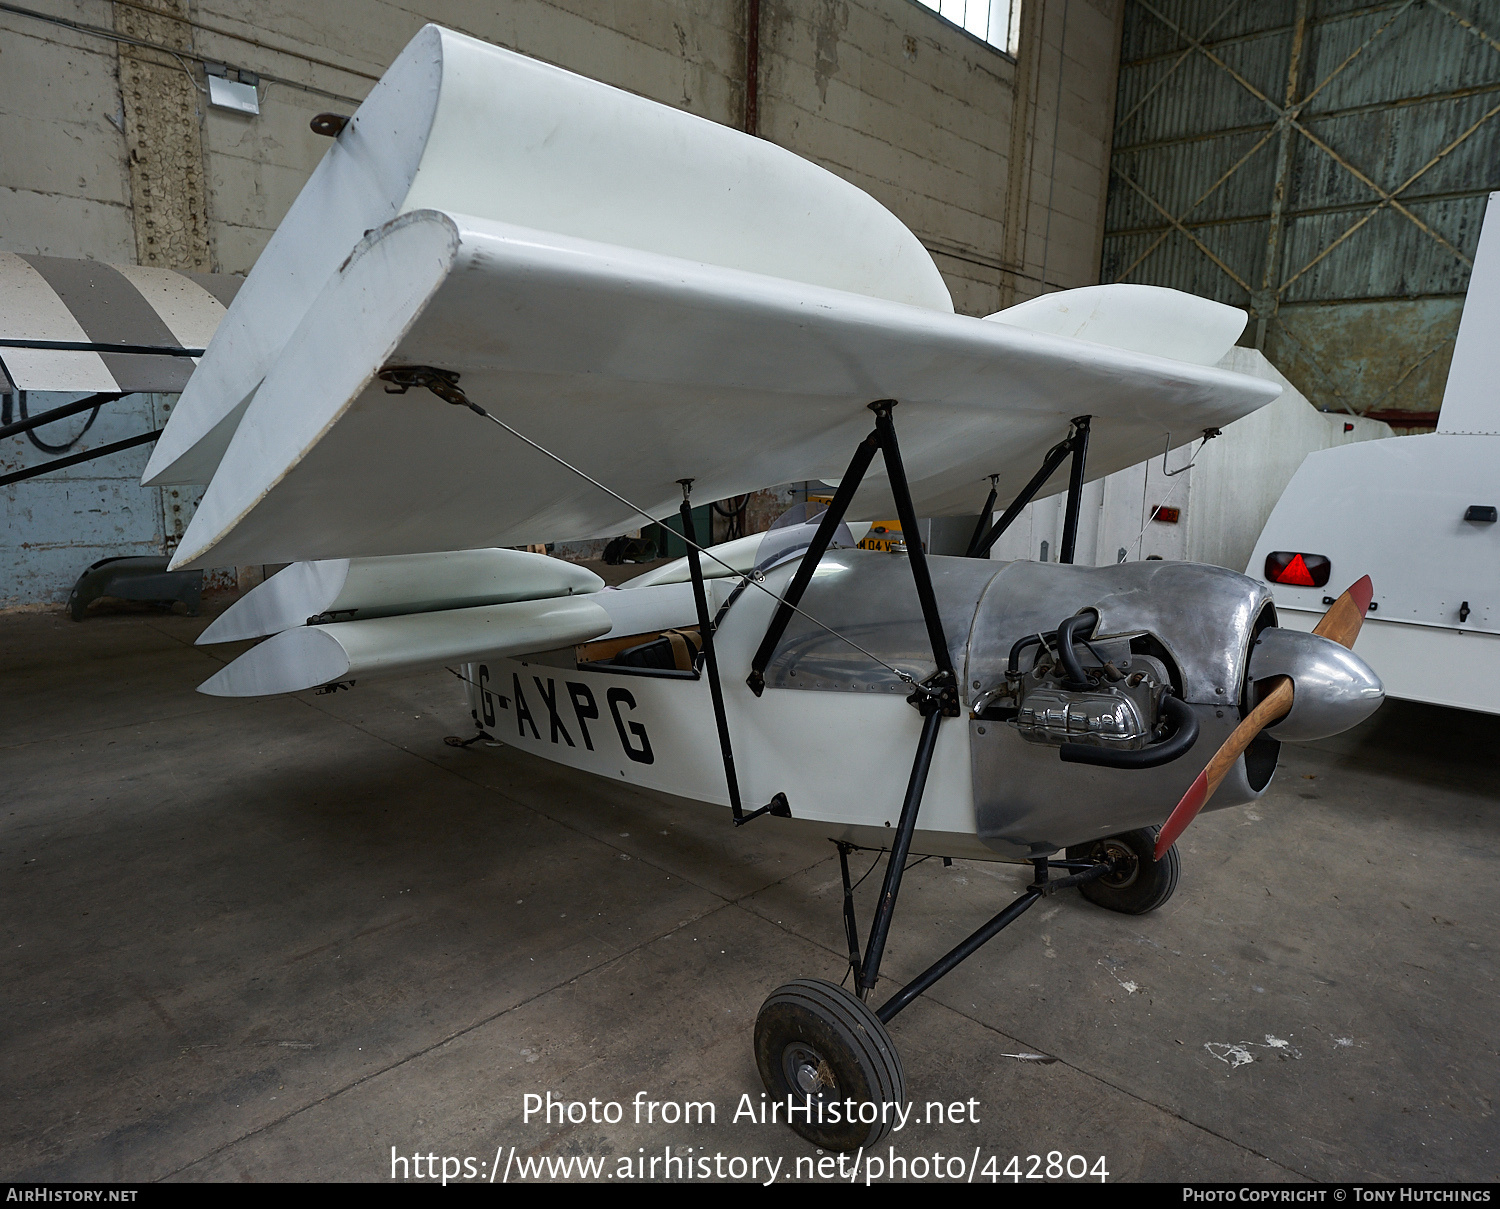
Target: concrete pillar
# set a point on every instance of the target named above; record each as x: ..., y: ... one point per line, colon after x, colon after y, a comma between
x: 1018, y: 163
x: 163, y: 136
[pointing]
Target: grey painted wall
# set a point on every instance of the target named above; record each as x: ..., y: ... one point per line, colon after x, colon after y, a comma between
x: 54, y: 526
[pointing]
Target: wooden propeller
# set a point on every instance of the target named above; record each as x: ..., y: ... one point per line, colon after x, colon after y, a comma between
x: 1341, y: 624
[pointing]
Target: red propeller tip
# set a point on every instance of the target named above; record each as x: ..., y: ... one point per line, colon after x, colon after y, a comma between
x: 1361, y: 593
x: 1185, y: 812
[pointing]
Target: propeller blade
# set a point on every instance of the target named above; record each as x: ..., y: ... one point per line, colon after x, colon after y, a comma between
x: 1340, y: 624
x: 1346, y: 614
x: 1273, y: 707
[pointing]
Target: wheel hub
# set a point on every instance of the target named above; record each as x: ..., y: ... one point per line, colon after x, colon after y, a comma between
x: 1127, y: 865
x: 806, y: 1069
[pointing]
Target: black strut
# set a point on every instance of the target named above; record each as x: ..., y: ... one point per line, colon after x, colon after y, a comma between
x: 778, y: 805
x: 906, y: 512
x: 1080, y: 442
x: 1054, y: 458
x: 985, y: 514
x: 935, y: 699
x: 26, y: 423
x: 880, y: 926
x: 956, y: 956
x: 1040, y: 888
x: 933, y: 706
x: 73, y: 459
x: 884, y: 439
x: 851, y: 923
x: 710, y: 660
x: 827, y: 523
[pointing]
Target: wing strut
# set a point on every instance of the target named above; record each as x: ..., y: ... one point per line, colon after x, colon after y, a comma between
x: 706, y: 625
x: 864, y: 454
x: 1079, y: 440
x: 1075, y: 443
x: 985, y: 514
x: 935, y: 698
x: 942, y: 683
x: 444, y: 384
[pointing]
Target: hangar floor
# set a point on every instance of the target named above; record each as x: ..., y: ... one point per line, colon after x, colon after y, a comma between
x: 277, y: 939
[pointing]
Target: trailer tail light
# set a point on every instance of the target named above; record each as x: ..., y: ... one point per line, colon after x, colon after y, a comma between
x: 1297, y: 570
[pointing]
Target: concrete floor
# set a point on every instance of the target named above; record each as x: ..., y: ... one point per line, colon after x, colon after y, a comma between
x: 274, y: 939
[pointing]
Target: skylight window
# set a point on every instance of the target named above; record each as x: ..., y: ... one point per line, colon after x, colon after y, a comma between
x: 997, y: 22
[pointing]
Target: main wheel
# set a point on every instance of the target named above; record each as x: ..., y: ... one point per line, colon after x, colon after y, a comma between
x: 819, y: 1045
x: 1140, y: 883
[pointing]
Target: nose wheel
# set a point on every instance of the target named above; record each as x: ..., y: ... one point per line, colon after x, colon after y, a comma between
x: 827, y: 1054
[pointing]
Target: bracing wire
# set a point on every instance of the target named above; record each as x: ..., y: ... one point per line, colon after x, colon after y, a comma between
x: 751, y: 579
x: 1140, y: 538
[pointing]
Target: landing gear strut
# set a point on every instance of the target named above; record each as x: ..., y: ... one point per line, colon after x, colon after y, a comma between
x: 825, y: 1048
x: 816, y: 1043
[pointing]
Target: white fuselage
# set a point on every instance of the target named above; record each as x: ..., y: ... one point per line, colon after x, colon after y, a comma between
x: 842, y: 759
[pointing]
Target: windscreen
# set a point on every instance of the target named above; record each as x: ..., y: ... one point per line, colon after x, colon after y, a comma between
x: 784, y: 542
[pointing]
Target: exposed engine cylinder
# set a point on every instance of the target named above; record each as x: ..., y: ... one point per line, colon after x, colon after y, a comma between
x: 1119, y: 710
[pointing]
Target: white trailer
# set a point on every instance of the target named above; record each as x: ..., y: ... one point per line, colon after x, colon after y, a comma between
x: 1419, y: 516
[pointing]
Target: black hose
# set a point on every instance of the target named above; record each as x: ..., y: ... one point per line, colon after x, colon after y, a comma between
x: 1175, y: 745
x: 1069, y: 659
x: 45, y: 446
x: 1084, y: 618
x: 1015, y: 652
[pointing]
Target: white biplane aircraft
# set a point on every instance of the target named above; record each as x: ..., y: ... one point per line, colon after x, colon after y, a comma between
x: 513, y: 305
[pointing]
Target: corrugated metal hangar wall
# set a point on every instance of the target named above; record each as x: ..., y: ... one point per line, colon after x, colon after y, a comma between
x: 1323, y: 163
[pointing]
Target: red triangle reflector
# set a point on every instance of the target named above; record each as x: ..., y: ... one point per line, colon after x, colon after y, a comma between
x: 1296, y: 572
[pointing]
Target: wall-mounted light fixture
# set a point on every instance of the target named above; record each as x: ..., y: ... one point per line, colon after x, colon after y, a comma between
x: 237, y: 90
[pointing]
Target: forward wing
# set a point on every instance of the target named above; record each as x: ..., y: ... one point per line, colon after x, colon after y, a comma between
x: 647, y: 296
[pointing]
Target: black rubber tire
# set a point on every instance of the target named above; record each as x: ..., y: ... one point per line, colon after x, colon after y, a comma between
x: 810, y: 1019
x: 1144, y: 885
